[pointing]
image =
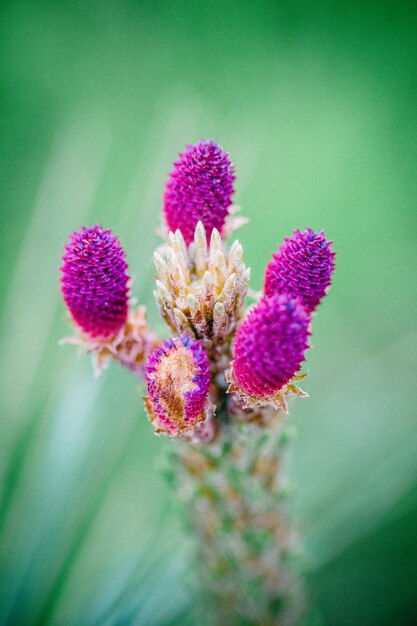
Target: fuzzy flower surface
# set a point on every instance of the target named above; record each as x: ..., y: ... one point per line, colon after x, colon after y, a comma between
x: 94, y: 282
x: 178, y: 379
x: 302, y: 267
x: 199, y: 188
x: 269, y: 346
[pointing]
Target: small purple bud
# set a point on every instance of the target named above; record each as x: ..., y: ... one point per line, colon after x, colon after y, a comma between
x: 178, y: 379
x: 94, y: 282
x: 270, y: 345
x: 302, y: 267
x: 199, y: 188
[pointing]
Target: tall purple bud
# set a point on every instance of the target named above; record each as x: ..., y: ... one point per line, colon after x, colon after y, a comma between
x: 199, y: 188
x: 178, y: 379
x: 269, y: 346
x: 94, y: 282
x: 302, y: 267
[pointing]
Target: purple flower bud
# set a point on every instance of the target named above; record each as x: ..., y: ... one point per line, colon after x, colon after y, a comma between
x: 270, y: 345
x: 178, y: 379
x: 199, y: 187
x: 302, y: 267
x: 94, y: 282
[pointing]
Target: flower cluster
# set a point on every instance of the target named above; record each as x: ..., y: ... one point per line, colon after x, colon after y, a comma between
x: 199, y: 188
x: 178, y: 381
x: 302, y: 267
x: 95, y: 288
x: 269, y: 348
x: 271, y: 343
x: 201, y: 286
x: 94, y: 282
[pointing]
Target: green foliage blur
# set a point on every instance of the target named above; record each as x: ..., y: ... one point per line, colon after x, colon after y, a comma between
x: 316, y: 103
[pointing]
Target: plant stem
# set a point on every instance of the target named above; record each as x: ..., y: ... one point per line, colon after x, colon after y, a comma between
x: 236, y: 499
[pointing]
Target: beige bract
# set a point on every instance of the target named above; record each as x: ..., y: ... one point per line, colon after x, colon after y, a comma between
x: 200, y: 289
x: 278, y: 400
x: 130, y: 347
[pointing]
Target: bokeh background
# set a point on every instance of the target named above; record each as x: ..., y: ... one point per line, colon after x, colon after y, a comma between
x: 316, y: 102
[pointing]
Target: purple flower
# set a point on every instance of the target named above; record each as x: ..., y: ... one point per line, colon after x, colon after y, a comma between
x: 199, y: 187
x: 302, y: 267
x: 94, y: 282
x: 178, y: 379
x: 270, y: 345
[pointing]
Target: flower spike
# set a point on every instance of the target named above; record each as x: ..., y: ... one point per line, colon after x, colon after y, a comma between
x: 200, y: 187
x: 302, y: 267
x: 230, y: 441
x: 94, y: 282
x: 178, y: 379
x: 269, y: 348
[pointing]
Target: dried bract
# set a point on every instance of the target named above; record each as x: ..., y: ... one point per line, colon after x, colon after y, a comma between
x: 130, y: 347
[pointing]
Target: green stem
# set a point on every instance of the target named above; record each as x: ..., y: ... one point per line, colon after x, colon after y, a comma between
x: 237, y: 507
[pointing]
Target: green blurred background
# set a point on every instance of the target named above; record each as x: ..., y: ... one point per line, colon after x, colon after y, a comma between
x: 316, y: 102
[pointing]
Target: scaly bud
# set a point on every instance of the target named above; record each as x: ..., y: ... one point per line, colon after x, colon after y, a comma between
x: 94, y: 282
x: 268, y: 350
x: 302, y: 267
x: 178, y: 379
x: 201, y: 289
x: 200, y: 187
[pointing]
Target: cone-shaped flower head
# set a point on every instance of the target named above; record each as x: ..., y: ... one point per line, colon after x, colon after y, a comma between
x: 270, y: 345
x: 302, y: 267
x: 178, y: 378
x: 94, y: 282
x: 199, y: 188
